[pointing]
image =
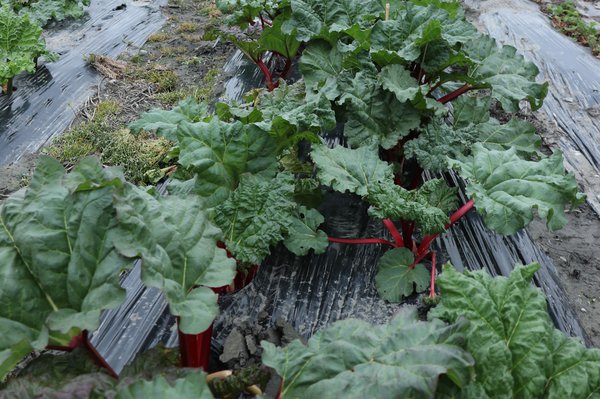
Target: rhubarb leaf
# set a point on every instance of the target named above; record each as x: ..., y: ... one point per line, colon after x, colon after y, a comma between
x: 165, y: 123
x: 58, y: 264
x: 273, y: 39
x: 396, y: 279
x: 353, y: 170
x: 178, y: 245
x: 510, y: 77
x: 303, y: 234
x: 261, y: 213
x: 321, y: 66
x: 373, y: 114
x: 507, y: 189
x: 192, y: 386
x: 354, y: 359
x: 219, y: 153
x: 394, y: 202
x: 43, y: 11
x: 313, y: 19
x: 468, y: 110
x: 518, y: 352
x: 516, y: 133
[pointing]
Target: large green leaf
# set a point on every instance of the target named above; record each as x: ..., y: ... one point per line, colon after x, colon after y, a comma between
x: 58, y: 263
x: 312, y: 19
x: 321, y: 66
x: 374, y: 115
x: 517, y: 351
x: 507, y: 73
x: 353, y: 359
x: 396, y: 278
x: 507, y: 189
x: 178, y: 245
x: 408, y: 35
x: 219, y: 153
x: 20, y: 43
x: 353, y: 170
x: 165, y: 123
x: 273, y: 39
x: 261, y: 213
x: 193, y: 386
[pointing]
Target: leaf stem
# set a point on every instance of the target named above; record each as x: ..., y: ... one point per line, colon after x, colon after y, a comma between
x: 268, y: 76
x: 394, y: 232
x: 456, y: 216
x: 455, y: 94
x: 432, y: 281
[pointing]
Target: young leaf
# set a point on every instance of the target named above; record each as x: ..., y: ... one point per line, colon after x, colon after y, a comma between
x: 178, y: 245
x: 517, y: 351
x: 507, y: 188
x: 353, y: 359
x: 58, y: 263
x: 350, y: 170
x: 395, y: 278
x: 273, y: 39
x: 303, y: 234
x: 321, y: 66
x: 394, y: 202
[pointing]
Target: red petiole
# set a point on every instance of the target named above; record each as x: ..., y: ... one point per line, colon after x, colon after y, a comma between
x: 455, y: 94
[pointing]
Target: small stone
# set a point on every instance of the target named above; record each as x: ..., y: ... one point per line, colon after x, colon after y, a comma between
x: 583, y: 310
x: 563, y: 259
x: 251, y: 344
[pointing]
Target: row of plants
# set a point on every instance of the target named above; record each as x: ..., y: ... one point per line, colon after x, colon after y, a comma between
x: 566, y: 18
x: 412, y: 84
x: 21, y: 42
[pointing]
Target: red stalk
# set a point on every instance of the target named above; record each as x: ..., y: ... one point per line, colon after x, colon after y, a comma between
x: 408, y: 228
x: 268, y: 76
x: 456, y: 216
x: 455, y: 94
x: 83, y: 340
x: 394, y: 232
x: 432, y: 281
x: 195, y: 348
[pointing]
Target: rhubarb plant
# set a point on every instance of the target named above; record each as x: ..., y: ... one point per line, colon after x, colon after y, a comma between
x: 43, y: 11
x: 59, y: 265
x: 20, y: 44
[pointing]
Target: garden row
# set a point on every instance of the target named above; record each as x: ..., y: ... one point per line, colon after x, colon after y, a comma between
x: 21, y: 42
x: 412, y: 83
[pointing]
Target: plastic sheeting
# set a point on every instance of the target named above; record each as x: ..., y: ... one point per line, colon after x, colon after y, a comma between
x: 45, y: 103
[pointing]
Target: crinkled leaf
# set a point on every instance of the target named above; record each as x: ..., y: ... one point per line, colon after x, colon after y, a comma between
x: 178, y: 245
x: 507, y: 189
x: 394, y: 202
x: 516, y: 133
x: 507, y: 73
x: 395, y: 278
x: 517, y: 351
x: 303, y: 234
x: 353, y: 359
x: 374, y: 116
x: 290, y: 116
x: 353, y: 170
x: 193, y: 386
x: 258, y: 215
x: 20, y: 43
x: 58, y: 263
x: 312, y: 19
x: 165, y: 123
x: 219, y: 153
